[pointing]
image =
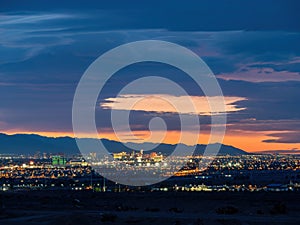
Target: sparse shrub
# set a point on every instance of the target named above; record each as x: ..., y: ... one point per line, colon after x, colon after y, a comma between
x: 152, y: 209
x: 124, y: 208
x: 229, y: 221
x: 198, y: 222
x: 133, y: 220
x: 121, y: 208
x: 278, y: 208
x: 228, y: 210
x: 175, y: 210
x: 259, y: 212
x: 177, y: 222
x: 108, y: 217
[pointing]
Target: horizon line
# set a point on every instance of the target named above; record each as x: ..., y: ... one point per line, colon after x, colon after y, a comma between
x: 42, y: 134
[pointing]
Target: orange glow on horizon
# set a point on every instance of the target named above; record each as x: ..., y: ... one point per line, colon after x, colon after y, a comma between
x: 248, y: 141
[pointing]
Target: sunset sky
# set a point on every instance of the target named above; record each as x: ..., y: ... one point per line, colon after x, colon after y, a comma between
x: 252, y: 47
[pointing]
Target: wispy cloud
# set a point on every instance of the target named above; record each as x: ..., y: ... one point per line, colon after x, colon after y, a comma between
x: 27, y: 33
x: 257, y: 75
x: 30, y: 19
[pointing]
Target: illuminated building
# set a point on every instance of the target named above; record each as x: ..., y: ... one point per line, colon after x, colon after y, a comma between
x: 158, y: 158
x: 78, y: 163
x: 58, y: 160
x: 120, y: 155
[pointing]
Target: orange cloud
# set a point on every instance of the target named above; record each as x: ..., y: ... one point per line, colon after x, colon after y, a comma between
x: 200, y: 105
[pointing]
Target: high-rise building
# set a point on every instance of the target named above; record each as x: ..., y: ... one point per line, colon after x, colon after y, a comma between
x: 58, y: 160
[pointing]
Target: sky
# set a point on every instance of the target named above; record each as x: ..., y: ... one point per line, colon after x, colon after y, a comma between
x: 252, y: 47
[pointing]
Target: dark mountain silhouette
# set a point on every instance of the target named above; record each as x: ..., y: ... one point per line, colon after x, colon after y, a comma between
x: 28, y: 144
x: 289, y: 151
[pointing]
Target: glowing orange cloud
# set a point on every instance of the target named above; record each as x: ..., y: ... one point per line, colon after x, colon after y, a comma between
x: 174, y: 104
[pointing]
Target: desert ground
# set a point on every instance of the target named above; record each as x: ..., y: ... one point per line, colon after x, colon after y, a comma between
x: 174, y: 208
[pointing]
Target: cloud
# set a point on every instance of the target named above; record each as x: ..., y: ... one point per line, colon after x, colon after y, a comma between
x: 284, y: 137
x: 207, y: 15
x: 254, y: 125
x: 261, y: 75
x: 30, y: 19
x: 24, y: 36
x: 173, y: 104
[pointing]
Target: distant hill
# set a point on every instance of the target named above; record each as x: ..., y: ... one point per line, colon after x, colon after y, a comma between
x: 290, y: 151
x: 28, y: 144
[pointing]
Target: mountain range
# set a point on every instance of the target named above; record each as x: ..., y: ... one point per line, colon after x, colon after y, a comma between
x: 29, y: 144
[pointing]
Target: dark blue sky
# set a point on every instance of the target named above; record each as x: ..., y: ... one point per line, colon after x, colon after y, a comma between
x: 253, y: 47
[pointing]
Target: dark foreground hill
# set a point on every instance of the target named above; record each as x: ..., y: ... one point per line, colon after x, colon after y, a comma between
x: 149, y: 208
x: 32, y: 143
